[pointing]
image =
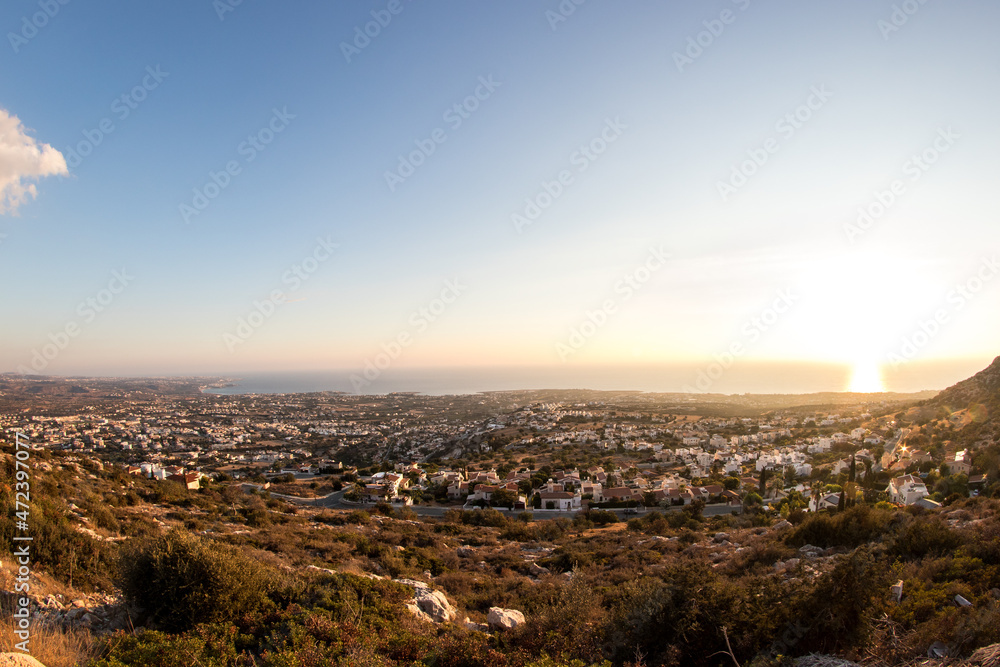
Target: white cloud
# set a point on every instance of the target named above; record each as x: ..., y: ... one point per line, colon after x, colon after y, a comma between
x: 23, y: 160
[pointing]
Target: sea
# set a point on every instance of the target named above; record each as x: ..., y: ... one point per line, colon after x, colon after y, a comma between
x: 739, y: 378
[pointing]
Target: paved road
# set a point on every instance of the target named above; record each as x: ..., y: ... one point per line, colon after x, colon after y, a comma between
x: 336, y: 500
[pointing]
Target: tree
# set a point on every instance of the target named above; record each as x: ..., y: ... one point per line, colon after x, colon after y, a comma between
x: 762, y: 486
x: 731, y: 483
x: 793, y: 501
x: 503, y: 498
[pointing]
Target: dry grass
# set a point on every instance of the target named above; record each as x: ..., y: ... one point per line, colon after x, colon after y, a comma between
x: 619, y: 527
x: 986, y: 657
x: 50, y: 645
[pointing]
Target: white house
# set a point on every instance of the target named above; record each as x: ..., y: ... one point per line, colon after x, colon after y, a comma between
x: 560, y: 500
x: 906, y: 489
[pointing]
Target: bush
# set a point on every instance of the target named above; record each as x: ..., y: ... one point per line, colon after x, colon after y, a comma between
x: 180, y: 580
x: 924, y: 536
x: 213, y: 646
x: 851, y: 528
x: 602, y: 518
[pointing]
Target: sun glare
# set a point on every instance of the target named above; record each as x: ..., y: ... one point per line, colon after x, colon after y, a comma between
x: 866, y: 378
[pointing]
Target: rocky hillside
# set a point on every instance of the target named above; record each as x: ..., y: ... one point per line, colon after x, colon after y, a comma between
x: 981, y: 388
x: 979, y: 397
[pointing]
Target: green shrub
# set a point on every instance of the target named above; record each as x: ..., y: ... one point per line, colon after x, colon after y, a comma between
x: 851, y: 528
x: 924, y: 536
x: 212, y: 647
x: 180, y: 580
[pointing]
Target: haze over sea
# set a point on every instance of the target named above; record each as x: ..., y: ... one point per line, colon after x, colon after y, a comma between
x: 740, y: 378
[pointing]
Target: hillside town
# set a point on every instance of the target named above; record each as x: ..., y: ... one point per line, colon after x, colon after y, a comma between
x: 524, y: 451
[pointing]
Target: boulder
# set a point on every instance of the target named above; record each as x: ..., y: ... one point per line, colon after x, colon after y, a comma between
x: 430, y: 602
x: 781, y: 525
x: 721, y: 537
x: 472, y: 625
x: 504, y: 619
x: 18, y: 660
x: 538, y: 570
x: 415, y: 609
x: 938, y: 650
x: 809, y: 551
x: 896, y: 591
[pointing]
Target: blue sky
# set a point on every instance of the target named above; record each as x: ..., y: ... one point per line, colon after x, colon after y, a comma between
x: 860, y: 297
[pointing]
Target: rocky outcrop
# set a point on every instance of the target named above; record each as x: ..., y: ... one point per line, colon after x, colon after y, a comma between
x: 504, y: 619
x: 98, y: 613
x: 18, y: 660
x: 472, y: 625
x: 427, y: 603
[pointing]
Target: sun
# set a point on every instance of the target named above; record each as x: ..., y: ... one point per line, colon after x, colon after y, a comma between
x: 866, y: 378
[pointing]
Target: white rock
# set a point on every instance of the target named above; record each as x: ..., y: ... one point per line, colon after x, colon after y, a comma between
x: 18, y: 660
x: 418, y: 612
x: 472, y: 625
x: 896, y: 591
x: 431, y: 602
x: 504, y: 619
